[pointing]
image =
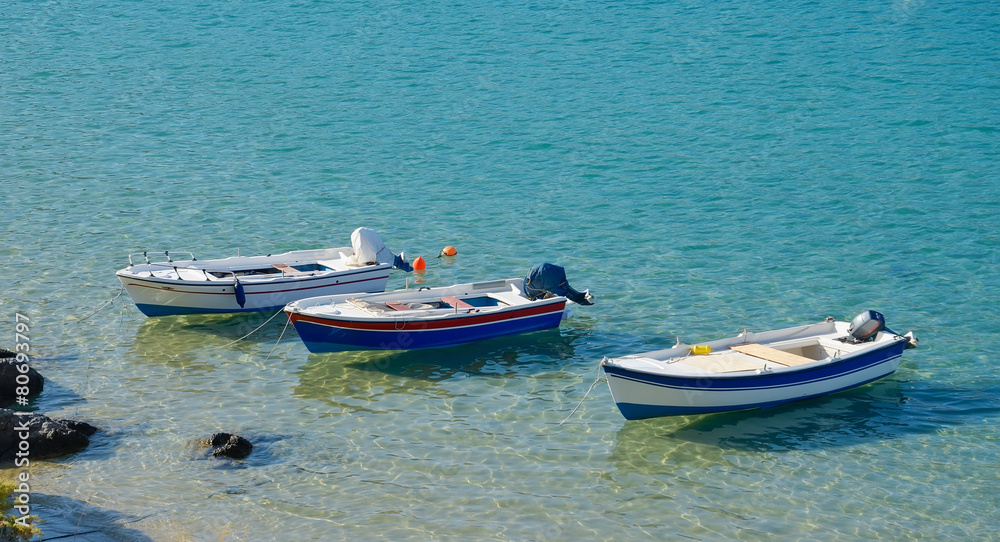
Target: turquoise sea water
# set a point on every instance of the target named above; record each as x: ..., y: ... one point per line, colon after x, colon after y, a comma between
x: 702, y: 167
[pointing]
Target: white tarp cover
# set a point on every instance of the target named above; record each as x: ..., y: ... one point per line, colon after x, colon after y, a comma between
x: 368, y: 248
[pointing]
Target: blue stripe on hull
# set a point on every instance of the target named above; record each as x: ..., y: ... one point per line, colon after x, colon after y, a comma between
x: 634, y: 411
x: 320, y: 338
x: 763, y: 382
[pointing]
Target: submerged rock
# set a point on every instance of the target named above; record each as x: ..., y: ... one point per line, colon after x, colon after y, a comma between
x: 9, y: 372
x: 227, y: 445
x: 46, y: 437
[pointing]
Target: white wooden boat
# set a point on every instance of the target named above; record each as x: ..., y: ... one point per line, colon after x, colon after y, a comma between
x: 430, y: 317
x: 755, y: 370
x: 257, y: 283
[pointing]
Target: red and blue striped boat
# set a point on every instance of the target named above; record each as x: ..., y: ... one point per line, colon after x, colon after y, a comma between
x: 425, y: 317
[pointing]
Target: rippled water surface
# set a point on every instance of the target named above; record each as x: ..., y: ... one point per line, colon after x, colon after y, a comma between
x: 702, y: 167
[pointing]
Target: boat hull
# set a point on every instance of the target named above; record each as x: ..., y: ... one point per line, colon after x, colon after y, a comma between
x: 158, y: 297
x: 325, y: 334
x: 641, y: 394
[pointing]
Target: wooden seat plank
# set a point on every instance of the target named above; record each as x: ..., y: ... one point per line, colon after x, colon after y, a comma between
x: 771, y: 354
x: 723, y: 363
x: 456, y: 302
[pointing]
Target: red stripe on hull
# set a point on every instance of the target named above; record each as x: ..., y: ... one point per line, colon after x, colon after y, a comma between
x: 459, y: 321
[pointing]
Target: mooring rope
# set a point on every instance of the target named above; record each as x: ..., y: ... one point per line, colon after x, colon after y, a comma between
x: 121, y: 318
x: 255, y: 330
x: 599, y: 378
x: 276, y: 342
x: 106, y: 303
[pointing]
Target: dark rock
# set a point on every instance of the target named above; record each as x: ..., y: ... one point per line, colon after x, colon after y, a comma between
x: 233, y: 446
x: 4, y: 353
x: 8, y: 380
x: 219, y: 439
x: 46, y: 437
x: 82, y: 427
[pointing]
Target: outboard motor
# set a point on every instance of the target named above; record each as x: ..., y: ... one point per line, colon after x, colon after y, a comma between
x: 550, y: 279
x: 369, y: 249
x: 399, y: 262
x: 866, y: 325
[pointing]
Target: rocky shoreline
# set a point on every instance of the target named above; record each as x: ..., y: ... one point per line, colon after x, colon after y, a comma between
x: 25, y: 435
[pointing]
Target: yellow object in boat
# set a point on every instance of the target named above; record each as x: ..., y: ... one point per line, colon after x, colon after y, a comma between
x: 701, y: 349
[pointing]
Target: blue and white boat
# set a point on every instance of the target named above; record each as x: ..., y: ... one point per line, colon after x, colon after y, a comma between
x: 756, y: 370
x: 435, y: 317
x: 257, y: 283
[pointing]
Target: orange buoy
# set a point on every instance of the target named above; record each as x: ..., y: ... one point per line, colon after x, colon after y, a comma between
x: 448, y: 251
x: 419, y: 264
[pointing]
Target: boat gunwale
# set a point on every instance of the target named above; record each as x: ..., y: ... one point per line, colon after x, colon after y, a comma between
x: 248, y: 280
x: 346, y: 252
x: 660, y: 378
x: 772, y: 370
x: 411, y: 295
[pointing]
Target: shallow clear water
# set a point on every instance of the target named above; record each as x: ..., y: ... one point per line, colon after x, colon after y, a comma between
x: 702, y: 168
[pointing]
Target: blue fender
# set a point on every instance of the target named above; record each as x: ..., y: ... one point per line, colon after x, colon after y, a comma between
x: 241, y: 295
